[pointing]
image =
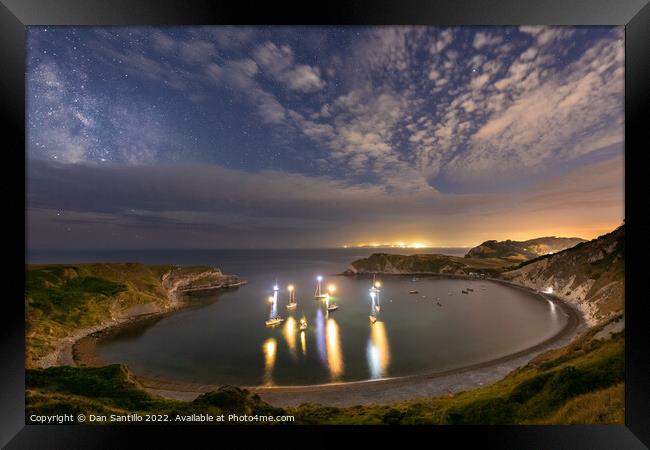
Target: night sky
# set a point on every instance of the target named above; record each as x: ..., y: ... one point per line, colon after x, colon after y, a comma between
x: 212, y: 137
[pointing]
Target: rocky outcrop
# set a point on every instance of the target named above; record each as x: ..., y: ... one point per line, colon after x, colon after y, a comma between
x: 183, y: 280
x: 522, y: 250
x: 384, y: 263
x: 106, y: 295
x: 590, y: 275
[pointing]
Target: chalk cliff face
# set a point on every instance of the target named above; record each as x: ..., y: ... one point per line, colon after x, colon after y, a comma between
x: 518, y: 251
x: 590, y: 275
x: 64, y: 302
x: 183, y: 280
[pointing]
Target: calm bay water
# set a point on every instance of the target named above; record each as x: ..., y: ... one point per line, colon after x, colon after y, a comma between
x: 224, y: 338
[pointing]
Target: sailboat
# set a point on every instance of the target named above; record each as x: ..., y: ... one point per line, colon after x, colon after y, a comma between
x: 273, y: 321
x: 375, y: 284
x: 331, y: 306
x: 330, y: 297
x: 275, y: 318
x: 292, y: 297
x: 375, y: 306
x: 303, y: 323
x: 319, y: 294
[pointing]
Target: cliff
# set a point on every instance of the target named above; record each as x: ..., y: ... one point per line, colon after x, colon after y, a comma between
x: 384, y: 263
x: 64, y: 302
x: 518, y: 251
x: 489, y: 257
x: 590, y: 275
x: 184, y: 280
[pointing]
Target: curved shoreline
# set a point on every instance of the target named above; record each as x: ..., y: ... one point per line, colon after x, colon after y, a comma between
x: 382, y: 391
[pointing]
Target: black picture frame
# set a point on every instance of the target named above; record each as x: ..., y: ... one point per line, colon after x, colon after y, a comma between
x: 15, y: 15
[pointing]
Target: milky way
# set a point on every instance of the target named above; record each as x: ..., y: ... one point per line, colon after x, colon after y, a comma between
x: 460, y: 123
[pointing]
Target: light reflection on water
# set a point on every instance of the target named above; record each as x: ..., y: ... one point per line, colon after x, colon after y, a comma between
x: 290, y: 334
x: 378, y: 351
x: 270, y: 347
x: 303, y: 343
x: 320, y: 336
x: 334, y: 351
x: 339, y: 346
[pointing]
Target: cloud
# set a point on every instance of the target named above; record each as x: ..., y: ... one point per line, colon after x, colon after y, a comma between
x: 406, y: 108
x: 239, y: 75
x: 279, y: 62
x: 201, y: 206
x: 197, y: 51
x: 163, y: 189
x: 445, y: 37
x: 484, y: 39
x: 546, y: 117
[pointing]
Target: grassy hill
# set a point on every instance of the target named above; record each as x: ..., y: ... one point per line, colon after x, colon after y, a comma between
x: 590, y: 275
x: 490, y: 257
x: 386, y: 263
x: 581, y: 383
x: 517, y: 251
x: 112, y: 390
x: 63, y: 298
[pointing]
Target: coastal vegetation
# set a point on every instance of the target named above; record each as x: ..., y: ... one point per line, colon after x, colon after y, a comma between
x: 63, y: 298
x: 386, y: 263
x: 590, y: 275
x: 580, y: 383
x: 517, y: 251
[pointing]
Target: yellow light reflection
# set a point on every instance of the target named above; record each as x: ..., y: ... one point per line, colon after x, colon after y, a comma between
x: 334, y: 353
x: 290, y: 334
x: 378, y: 350
x: 270, y: 347
x: 303, y: 342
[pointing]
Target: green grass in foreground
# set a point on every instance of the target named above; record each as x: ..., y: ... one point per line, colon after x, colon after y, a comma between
x: 580, y: 383
x: 111, y: 390
x: 548, y: 390
x: 60, y: 298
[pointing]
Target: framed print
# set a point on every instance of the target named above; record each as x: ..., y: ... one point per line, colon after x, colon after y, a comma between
x: 420, y: 215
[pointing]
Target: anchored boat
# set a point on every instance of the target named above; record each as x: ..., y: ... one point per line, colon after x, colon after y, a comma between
x: 319, y: 294
x: 273, y: 321
x: 375, y: 284
x: 292, y: 298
